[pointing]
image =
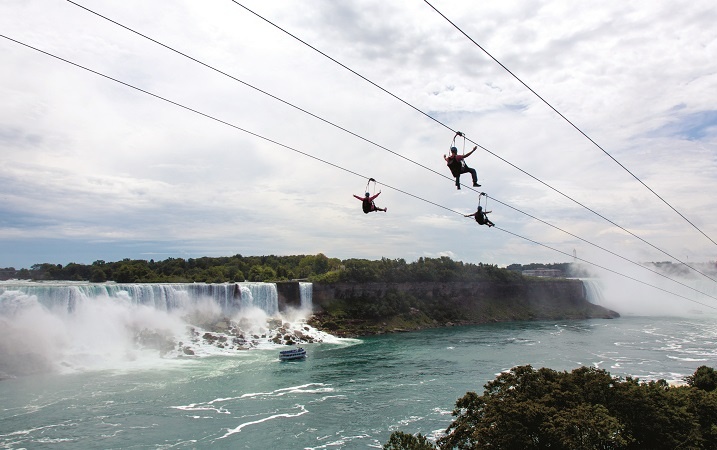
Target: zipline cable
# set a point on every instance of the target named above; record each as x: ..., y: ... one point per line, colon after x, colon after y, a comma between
x: 345, y: 67
x: 208, y: 116
x: 159, y: 97
x: 454, y: 131
x: 598, y: 214
x: 253, y: 87
x: 596, y: 246
x: 569, y: 121
x: 368, y: 140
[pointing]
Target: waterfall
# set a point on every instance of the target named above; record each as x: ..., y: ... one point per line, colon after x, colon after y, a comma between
x: 305, y: 292
x: 77, y: 326
x: 67, y: 296
x: 260, y: 295
x: 593, y: 290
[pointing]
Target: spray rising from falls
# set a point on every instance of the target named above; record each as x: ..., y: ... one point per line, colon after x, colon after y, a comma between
x: 665, y: 290
x: 89, y: 326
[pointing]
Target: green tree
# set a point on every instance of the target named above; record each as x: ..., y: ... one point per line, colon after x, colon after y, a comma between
x: 704, y: 378
x: 361, y: 270
x: 317, y: 267
x: 584, y: 427
x: 136, y: 271
x: 585, y: 409
x: 671, y: 423
x: 404, y: 441
x: 262, y: 273
x: 313, y: 265
x: 234, y: 274
x: 98, y: 275
x: 214, y: 274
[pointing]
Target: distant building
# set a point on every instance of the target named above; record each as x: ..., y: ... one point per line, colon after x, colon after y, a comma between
x: 552, y: 273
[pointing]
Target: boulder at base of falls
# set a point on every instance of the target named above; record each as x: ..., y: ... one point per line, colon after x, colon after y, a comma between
x: 159, y: 340
x: 228, y: 334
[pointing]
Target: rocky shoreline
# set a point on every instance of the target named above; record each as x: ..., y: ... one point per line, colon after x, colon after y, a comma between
x: 359, y: 328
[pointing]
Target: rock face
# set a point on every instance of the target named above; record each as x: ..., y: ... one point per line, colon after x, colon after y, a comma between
x: 352, y: 309
x: 289, y: 295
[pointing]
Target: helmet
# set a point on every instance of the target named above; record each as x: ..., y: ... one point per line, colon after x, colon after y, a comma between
x: 480, y: 208
x: 368, y: 195
x: 454, y: 150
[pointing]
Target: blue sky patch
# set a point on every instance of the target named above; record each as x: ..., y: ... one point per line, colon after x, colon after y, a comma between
x: 693, y: 127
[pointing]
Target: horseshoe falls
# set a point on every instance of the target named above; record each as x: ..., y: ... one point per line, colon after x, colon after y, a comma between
x: 593, y: 290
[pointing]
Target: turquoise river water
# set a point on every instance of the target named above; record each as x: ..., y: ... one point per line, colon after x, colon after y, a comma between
x: 347, y: 394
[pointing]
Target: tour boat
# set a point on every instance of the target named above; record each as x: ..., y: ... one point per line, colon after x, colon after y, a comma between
x: 294, y: 353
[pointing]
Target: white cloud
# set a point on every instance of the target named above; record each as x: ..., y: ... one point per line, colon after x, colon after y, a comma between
x: 86, y: 160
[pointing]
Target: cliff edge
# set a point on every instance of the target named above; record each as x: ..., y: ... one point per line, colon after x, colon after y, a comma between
x: 357, y: 309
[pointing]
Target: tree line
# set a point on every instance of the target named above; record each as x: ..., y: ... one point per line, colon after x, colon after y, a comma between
x: 583, y: 409
x: 317, y: 268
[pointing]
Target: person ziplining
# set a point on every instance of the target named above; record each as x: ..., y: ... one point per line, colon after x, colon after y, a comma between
x: 368, y: 204
x: 480, y: 215
x: 456, y: 163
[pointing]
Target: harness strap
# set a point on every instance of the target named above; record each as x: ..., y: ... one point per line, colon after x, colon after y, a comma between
x: 460, y: 133
x: 374, y: 185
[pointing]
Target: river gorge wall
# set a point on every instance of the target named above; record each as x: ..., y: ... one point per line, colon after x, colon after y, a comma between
x: 377, y: 307
x: 343, y: 309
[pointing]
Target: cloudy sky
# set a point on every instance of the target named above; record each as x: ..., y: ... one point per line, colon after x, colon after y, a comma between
x: 93, y: 169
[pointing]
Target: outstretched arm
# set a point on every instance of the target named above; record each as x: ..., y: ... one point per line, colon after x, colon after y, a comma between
x: 360, y: 198
x: 471, y: 152
x: 371, y: 198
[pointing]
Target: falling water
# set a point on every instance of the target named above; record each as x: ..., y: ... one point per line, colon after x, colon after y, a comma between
x: 76, y: 326
x: 160, y: 296
x: 593, y: 290
x: 306, y: 291
x: 260, y: 295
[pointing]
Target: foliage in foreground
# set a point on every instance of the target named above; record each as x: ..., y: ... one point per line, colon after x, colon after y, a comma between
x: 404, y: 441
x: 584, y: 409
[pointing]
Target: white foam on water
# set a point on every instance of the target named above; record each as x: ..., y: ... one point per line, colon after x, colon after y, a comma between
x: 301, y: 412
x: 677, y: 358
x: 292, y: 389
x: 211, y: 405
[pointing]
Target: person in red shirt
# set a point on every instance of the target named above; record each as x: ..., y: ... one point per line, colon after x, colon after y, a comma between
x: 458, y: 166
x: 368, y: 204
